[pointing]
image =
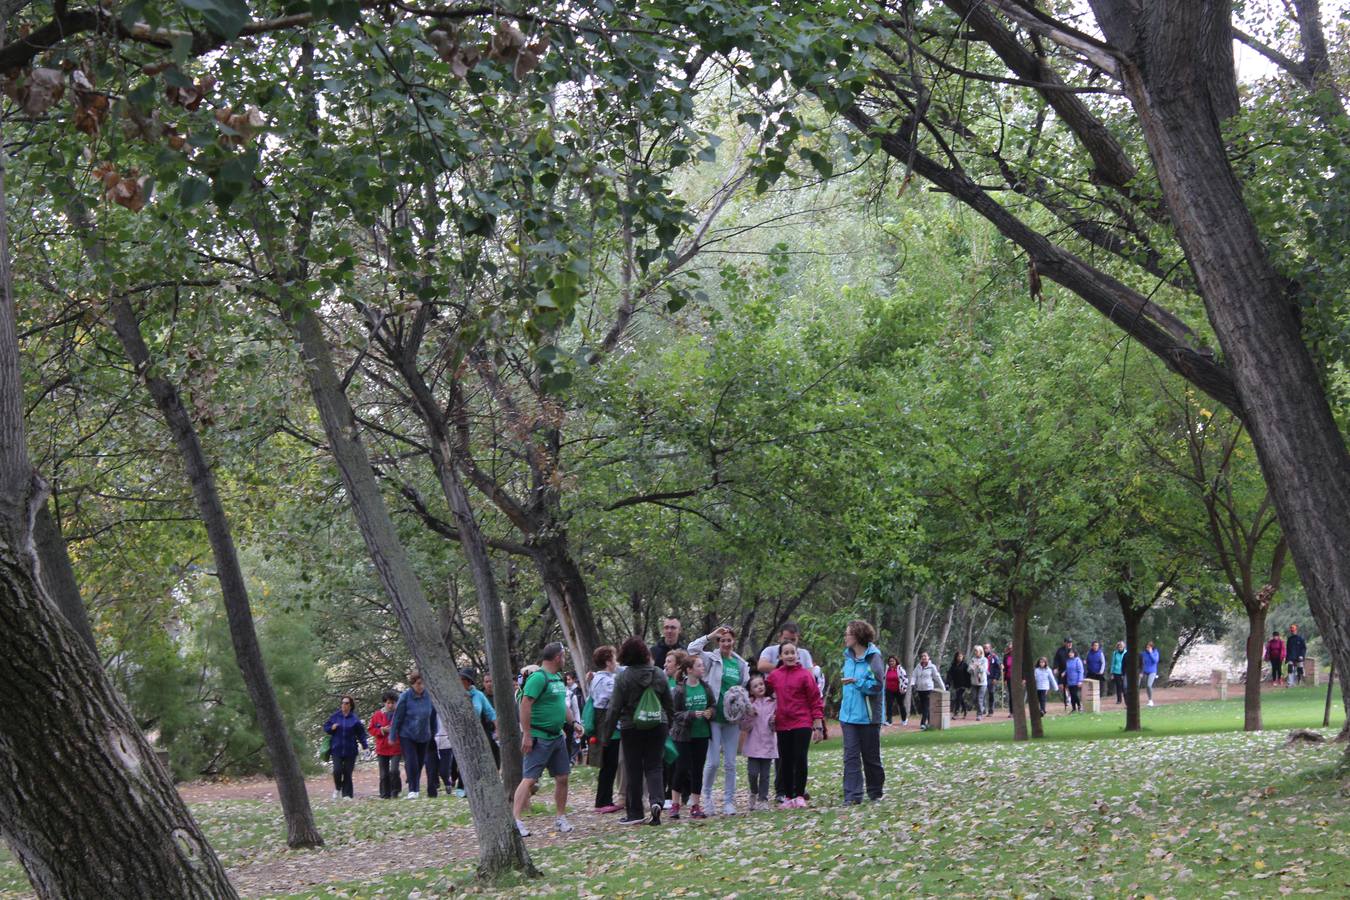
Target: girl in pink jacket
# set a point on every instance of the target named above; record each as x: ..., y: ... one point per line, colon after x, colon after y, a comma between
x: 759, y: 743
x: 799, y: 718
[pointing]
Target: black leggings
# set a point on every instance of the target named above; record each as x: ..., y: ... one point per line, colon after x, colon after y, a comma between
x: 1118, y: 683
x: 1040, y: 698
x: 416, y: 755
x: 609, y: 767
x: 1275, y: 666
x: 643, y: 751
x: 895, y: 703
x: 793, y: 747
x: 1076, y: 696
x: 923, y: 698
x: 689, y: 768
x: 342, y: 774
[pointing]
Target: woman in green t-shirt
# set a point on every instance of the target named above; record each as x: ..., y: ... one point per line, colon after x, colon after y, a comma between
x: 691, y: 733
x: 726, y: 669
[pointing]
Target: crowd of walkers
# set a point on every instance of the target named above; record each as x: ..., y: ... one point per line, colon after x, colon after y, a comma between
x: 674, y: 716
x: 1280, y: 653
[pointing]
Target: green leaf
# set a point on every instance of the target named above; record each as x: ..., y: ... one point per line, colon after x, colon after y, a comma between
x: 225, y: 18
x: 192, y: 191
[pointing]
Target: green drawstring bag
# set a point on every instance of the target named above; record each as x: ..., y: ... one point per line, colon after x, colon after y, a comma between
x: 588, y: 717
x: 672, y: 752
x: 326, y: 748
x: 648, y: 714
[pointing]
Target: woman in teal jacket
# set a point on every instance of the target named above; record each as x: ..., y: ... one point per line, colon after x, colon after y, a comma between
x: 860, y: 712
x: 1118, y: 671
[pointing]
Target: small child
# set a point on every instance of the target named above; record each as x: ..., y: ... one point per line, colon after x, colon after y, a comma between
x: 759, y: 742
x: 1045, y: 681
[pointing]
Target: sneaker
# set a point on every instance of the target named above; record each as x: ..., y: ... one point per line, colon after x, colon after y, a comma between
x: 670, y: 804
x: 697, y: 812
x: 520, y: 827
x: 612, y: 808
x: 656, y: 814
x: 800, y: 803
x: 564, y: 826
x: 627, y: 821
x: 348, y: 798
x: 754, y: 804
x: 728, y: 808
x: 788, y: 804
x: 1150, y: 703
x: 675, y: 811
x: 904, y: 722
x: 337, y: 794
x: 459, y: 792
x: 412, y: 795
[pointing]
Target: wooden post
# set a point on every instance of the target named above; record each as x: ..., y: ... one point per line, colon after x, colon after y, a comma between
x: 940, y: 710
x: 1310, y: 672
x: 1092, y: 695
x: 1219, y: 678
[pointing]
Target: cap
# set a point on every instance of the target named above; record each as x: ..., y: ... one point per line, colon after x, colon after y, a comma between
x: 469, y: 675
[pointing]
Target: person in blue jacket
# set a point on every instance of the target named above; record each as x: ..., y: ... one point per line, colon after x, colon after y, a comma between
x: 1148, y: 665
x: 861, y: 713
x: 415, y: 724
x: 1073, y: 680
x: 345, y: 731
x: 1095, y: 664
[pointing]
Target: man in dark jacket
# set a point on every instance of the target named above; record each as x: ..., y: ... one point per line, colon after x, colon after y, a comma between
x: 1295, y: 649
x: 1061, y: 664
x: 670, y: 640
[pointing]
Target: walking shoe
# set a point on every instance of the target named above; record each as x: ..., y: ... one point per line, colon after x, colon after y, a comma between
x: 612, y: 808
x: 627, y: 821
x: 563, y: 825
x: 669, y: 804
x: 754, y: 804
x: 904, y: 722
x: 459, y: 792
x: 728, y: 808
x: 520, y: 827
x: 412, y: 795
x: 337, y: 794
x: 656, y: 814
x: 675, y: 811
x: 788, y: 803
x: 800, y: 803
x: 697, y: 812
x: 1150, y: 703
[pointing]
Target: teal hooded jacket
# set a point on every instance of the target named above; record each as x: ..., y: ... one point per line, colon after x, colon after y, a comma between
x: 862, y: 701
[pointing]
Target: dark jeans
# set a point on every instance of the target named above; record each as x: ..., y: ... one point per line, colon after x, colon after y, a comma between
x: 1118, y: 682
x: 689, y: 764
x: 793, y: 747
x: 895, y: 703
x: 445, y: 768
x: 609, y: 767
x: 342, y: 774
x: 391, y: 784
x: 1275, y: 666
x: 643, y: 750
x: 923, y: 697
x: 959, y: 701
x: 758, y: 770
x: 1076, y: 696
x: 862, y: 762
x: 416, y: 756
x: 1040, y: 698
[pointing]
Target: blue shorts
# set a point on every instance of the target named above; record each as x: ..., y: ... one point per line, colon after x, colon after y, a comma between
x: 547, y: 753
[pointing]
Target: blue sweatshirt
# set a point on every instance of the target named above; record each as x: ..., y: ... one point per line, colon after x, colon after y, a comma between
x: 1096, y: 662
x: 414, y: 717
x: 346, y: 731
x: 1149, y: 660
x: 1073, y: 671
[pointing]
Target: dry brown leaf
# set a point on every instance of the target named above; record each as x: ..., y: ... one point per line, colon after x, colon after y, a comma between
x: 35, y: 90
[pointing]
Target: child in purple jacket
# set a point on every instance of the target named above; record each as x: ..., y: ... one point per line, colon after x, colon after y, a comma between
x: 759, y: 741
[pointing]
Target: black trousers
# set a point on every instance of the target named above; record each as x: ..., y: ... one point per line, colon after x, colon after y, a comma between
x: 1118, y: 682
x: 418, y: 755
x: 391, y: 784
x: 689, y: 768
x: 923, y: 698
x: 1040, y: 698
x: 643, y: 754
x: 793, y: 747
x: 895, y: 703
x: 342, y: 774
x: 609, y: 768
x: 1076, y: 696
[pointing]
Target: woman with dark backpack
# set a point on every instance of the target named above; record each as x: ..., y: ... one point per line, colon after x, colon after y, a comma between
x: 642, y: 708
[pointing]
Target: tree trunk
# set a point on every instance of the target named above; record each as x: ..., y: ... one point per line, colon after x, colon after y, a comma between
x: 122, y: 830
x: 1132, y: 617
x: 944, y: 634
x: 911, y: 622
x: 480, y: 565
x: 1176, y: 77
x: 567, y: 595
x: 1256, y: 642
x: 1017, y: 694
x: 500, y: 848
x: 58, y: 575
x: 1028, y: 661
x: 301, y: 831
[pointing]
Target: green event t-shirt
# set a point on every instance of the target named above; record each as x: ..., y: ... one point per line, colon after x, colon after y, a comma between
x: 731, y: 676
x: 549, y: 712
x: 696, y: 699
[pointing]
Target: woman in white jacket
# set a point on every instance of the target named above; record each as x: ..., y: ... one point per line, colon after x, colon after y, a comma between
x: 725, y: 669
x: 926, y: 678
x: 979, y: 679
x: 1045, y: 681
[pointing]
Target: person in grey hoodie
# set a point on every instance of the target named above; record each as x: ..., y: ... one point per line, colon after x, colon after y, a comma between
x: 643, y: 746
x: 926, y: 678
x: 726, y: 668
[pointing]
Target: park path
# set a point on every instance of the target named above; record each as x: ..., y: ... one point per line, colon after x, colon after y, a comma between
x: 286, y: 872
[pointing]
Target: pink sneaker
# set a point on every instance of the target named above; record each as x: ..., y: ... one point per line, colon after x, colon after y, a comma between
x: 788, y: 803
x: 612, y: 808
x: 800, y: 803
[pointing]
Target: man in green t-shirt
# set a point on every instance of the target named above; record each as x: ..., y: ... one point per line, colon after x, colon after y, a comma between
x: 545, y: 724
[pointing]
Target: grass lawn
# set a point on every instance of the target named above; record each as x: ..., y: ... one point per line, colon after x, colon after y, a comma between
x: 1192, y: 808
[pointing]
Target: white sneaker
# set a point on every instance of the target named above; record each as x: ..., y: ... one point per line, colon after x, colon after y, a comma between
x: 728, y: 808
x: 563, y: 825
x: 520, y: 827
x: 337, y: 794
x: 412, y: 795
x: 1150, y: 703
x: 348, y: 798
x: 670, y: 804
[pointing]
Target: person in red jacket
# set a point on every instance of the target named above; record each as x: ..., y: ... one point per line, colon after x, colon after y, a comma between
x: 798, y: 719
x: 388, y: 751
x: 1275, y: 653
